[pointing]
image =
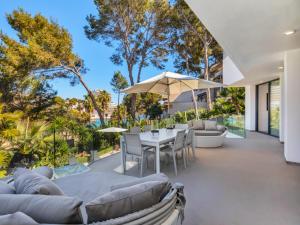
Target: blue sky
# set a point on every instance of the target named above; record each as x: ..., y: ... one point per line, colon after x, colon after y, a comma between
x: 71, y: 14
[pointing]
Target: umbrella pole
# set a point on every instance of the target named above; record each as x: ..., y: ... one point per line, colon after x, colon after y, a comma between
x: 168, y: 105
x: 195, y: 104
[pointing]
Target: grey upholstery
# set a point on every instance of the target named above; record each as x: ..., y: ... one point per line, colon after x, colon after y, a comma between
x: 190, y: 124
x: 153, y: 177
x: 198, y: 125
x: 17, y: 218
x: 133, y: 146
x: 207, y: 133
x: 189, y: 142
x: 135, y: 130
x: 30, y: 182
x: 181, y: 126
x: 126, y: 200
x: 43, y: 208
x: 6, y: 188
x: 45, y: 171
x: 88, y: 186
x: 210, y: 125
x: 221, y: 128
x: 178, y: 146
x: 154, y: 215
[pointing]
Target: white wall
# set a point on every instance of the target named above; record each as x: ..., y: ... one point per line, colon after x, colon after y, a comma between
x: 231, y: 73
x: 292, y: 105
x: 250, y: 92
x: 282, y: 109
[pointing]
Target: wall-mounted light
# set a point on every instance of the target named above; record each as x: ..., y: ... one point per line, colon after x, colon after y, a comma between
x: 290, y: 32
x: 280, y: 67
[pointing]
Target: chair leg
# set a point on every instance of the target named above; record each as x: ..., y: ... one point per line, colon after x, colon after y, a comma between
x: 193, y: 150
x: 154, y: 160
x: 124, y: 164
x: 174, y: 161
x: 184, y: 159
x: 142, y: 165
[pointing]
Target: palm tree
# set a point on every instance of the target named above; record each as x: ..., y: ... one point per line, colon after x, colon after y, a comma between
x: 103, y: 100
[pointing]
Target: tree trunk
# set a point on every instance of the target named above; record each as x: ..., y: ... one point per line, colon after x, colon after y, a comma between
x: 193, y: 93
x: 133, y: 106
x: 206, y: 75
x: 118, y: 109
x: 91, y: 95
x: 133, y: 96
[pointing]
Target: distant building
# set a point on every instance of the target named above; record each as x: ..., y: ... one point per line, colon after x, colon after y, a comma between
x: 184, y: 101
x: 107, y: 114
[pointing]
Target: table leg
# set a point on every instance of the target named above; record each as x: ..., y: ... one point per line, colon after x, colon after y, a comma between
x: 157, y: 158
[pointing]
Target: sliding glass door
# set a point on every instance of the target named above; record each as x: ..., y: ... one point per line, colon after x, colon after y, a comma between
x: 274, y: 107
x: 268, y: 107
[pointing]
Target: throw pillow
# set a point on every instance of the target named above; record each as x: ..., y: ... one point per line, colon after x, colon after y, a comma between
x: 210, y: 125
x: 198, y: 125
x: 125, y: 201
x: 17, y: 218
x: 33, y: 183
x: 43, y: 208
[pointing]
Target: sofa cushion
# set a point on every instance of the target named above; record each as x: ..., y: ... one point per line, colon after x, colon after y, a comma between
x: 207, y: 133
x: 190, y: 123
x: 30, y: 182
x: 43, y: 208
x: 221, y: 128
x: 45, y: 171
x: 153, y: 177
x: 198, y: 125
x: 126, y: 200
x: 210, y: 125
x: 17, y: 218
x: 6, y: 188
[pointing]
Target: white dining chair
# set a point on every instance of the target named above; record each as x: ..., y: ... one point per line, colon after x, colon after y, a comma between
x: 135, y: 130
x: 177, y: 146
x: 134, y: 147
x: 181, y: 126
x: 189, y: 143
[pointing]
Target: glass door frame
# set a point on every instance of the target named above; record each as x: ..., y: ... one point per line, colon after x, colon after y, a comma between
x: 269, y: 107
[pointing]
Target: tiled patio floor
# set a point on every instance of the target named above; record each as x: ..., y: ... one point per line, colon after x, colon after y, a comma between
x: 247, y: 182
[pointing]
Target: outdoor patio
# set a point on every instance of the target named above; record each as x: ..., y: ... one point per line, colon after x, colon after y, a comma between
x: 246, y: 182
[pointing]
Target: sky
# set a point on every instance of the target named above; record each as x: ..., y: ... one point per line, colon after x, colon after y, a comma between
x: 71, y: 14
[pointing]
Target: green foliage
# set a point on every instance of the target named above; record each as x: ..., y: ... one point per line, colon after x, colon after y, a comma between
x: 118, y: 82
x: 154, y: 111
x: 231, y: 101
x: 189, y: 41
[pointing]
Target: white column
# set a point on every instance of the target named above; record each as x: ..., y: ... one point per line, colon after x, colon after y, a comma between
x: 292, y: 105
x: 250, y: 104
x: 282, y: 109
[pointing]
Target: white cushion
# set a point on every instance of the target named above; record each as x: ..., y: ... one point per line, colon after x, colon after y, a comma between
x: 210, y: 125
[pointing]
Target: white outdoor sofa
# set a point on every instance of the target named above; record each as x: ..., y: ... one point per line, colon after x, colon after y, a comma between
x: 207, y: 134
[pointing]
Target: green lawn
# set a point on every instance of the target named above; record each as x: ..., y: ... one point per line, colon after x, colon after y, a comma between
x: 105, y: 150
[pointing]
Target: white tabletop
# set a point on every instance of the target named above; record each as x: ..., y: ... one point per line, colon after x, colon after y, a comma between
x: 164, y: 135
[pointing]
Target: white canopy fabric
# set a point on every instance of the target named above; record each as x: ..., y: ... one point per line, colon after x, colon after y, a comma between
x: 112, y: 130
x: 169, y: 84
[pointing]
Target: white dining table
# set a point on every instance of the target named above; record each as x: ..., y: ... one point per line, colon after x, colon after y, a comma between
x: 156, y: 140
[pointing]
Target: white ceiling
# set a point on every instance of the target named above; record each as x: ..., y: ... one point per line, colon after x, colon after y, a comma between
x: 251, y: 32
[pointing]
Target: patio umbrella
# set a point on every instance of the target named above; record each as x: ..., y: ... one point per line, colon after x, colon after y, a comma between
x: 168, y: 84
x: 112, y: 130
